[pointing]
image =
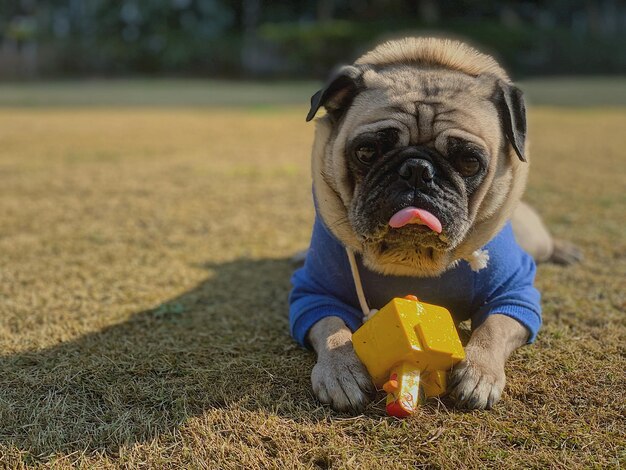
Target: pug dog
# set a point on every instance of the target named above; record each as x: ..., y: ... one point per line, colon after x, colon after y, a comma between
x: 418, y: 168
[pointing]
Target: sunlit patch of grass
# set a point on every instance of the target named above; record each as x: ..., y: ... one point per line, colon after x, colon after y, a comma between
x: 144, y: 267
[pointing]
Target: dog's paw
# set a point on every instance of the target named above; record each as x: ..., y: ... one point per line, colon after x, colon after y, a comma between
x: 340, y: 380
x: 478, y: 381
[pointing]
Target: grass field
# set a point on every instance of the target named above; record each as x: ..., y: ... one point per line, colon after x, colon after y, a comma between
x: 144, y: 273
x: 560, y: 91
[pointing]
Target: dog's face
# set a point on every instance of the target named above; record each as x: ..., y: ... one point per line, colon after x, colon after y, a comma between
x: 417, y: 165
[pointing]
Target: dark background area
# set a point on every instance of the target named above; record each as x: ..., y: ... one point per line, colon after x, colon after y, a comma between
x: 295, y: 39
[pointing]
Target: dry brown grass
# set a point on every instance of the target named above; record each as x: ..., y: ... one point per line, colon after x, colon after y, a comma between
x: 144, y: 278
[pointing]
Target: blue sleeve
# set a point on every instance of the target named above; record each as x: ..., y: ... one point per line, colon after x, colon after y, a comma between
x: 506, y: 285
x: 323, y: 287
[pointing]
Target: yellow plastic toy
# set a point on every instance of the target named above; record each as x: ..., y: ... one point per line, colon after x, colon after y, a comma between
x: 407, y: 347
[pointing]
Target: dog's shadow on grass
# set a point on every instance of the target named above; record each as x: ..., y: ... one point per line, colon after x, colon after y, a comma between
x: 222, y: 344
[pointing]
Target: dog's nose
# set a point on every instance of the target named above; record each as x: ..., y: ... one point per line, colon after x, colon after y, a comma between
x: 417, y: 171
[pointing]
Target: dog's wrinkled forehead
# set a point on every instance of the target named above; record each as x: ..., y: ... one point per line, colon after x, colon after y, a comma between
x: 424, y: 82
x: 426, y: 106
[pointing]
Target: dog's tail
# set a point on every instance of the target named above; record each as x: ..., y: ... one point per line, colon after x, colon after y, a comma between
x: 565, y: 253
x: 535, y: 238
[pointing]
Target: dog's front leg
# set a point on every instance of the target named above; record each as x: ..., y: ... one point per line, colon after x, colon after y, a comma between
x: 478, y: 381
x: 339, y: 378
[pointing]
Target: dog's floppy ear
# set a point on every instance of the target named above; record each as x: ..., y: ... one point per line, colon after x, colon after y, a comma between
x: 342, y: 87
x: 510, y: 102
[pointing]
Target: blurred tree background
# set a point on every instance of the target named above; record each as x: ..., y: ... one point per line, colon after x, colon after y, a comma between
x: 295, y: 39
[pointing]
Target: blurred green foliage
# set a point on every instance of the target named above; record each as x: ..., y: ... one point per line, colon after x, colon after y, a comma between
x: 525, y: 49
x: 300, y: 38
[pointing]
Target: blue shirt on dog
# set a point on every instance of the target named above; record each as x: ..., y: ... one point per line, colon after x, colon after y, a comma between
x: 324, y: 287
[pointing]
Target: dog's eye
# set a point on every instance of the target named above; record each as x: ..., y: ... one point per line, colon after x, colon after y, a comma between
x: 388, y: 137
x: 366, y: 154
x: 468, y: 164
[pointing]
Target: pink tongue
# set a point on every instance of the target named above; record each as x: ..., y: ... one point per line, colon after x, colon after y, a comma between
x: 413, y: 215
